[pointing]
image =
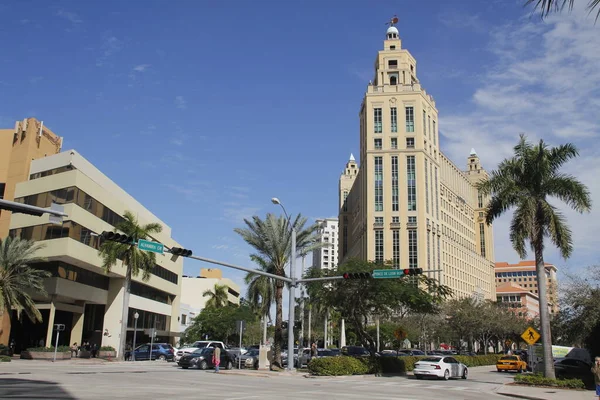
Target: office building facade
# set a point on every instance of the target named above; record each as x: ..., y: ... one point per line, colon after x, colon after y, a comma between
x: 193, y: 288
x: 79, y: 294
x: 326, y: 257
x: 407, y: 202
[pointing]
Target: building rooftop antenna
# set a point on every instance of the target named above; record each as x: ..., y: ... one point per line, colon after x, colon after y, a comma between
x: 393, y: 21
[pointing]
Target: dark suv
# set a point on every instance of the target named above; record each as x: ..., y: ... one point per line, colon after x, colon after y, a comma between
x: 160, y: 351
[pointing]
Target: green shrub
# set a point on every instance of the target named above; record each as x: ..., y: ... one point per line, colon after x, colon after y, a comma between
x: 5, y: 359
x: 335, y: 366
x: 61, y: 349
x: 540, y: 380
x: 3, y: 350
x: 480, y: 360
x: 107, y: 348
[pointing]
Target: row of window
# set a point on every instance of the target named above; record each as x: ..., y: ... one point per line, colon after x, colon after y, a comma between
x: 516, y: 273
x: 412, y: 247
x: 429, y: 125
x: 73, y: 195
x: 378, y: 143
x: 148, y: 320
x: 49, y: 172
x: 73, y: 230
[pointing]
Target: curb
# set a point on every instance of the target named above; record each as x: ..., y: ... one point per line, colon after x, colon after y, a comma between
x: 519, y: 396
x: 231, y: 372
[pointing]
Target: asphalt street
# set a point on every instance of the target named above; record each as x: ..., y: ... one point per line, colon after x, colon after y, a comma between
x: 155, y: 380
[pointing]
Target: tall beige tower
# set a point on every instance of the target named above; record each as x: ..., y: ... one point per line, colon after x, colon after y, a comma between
x: 409, y: 203
x: 346, y: 182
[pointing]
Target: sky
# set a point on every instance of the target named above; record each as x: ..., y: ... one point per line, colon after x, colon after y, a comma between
x: 205, y: 110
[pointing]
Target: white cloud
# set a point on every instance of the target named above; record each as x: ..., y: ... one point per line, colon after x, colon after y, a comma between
x: 180, y: 102
x: 236, y: 212
x: 461, y: 20
x: 70, y: 16
x: 545, y: 83
x: 110, y: 45
x: 141, y: 67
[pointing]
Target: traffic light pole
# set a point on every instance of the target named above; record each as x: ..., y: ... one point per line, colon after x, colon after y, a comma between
x: 292, y: 303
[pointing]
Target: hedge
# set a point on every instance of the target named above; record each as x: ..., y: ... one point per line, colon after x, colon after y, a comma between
x: 540, y: 380
x: 5, y: 359
x: 61, y: 349
x: 107, y: 348
x: 385, y: 365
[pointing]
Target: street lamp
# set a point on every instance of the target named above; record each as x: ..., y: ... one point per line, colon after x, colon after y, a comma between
x: 290, y: 364
x: 135, y: 319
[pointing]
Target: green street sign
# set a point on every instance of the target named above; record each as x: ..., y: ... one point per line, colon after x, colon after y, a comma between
x: 388, y: 273
x: 154, y: 247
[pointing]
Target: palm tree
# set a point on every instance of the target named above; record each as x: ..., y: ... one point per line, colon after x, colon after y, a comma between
x: 272, y: 239
x: 18, y: 278
x: 132, y: 258
x: 548, y: 6
x: 217, y: 296
x: 527, y: 181
x: 261, y: 291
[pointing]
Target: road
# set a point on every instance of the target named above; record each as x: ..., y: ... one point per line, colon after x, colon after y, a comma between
x: 156, y: 380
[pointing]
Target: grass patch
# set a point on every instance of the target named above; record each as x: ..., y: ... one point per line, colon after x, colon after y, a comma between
x: 540, y: 380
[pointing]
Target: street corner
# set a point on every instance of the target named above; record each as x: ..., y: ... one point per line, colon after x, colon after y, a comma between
x: 259, y: 374
x: 541, y: 393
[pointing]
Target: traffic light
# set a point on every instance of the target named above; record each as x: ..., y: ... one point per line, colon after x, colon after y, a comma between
x: 413, y: 271
x: 118, y: 237
x: 178, y: 251
x: 356, y: 275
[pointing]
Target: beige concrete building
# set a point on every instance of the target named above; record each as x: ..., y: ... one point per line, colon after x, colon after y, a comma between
x: 27, y: 141
x: 80, y: 295
x: 524, y: 274
x: 519, y: 300
x: 192, y: 288
x: 408, y: 202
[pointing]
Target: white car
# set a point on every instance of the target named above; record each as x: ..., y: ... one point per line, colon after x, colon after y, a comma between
x: 441, y: 367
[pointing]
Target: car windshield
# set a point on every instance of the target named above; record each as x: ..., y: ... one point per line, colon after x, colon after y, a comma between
x: 200, y: 344
x: 509, y: 358
x: 203, y: 350
x: 252, y: 352
x: 431, y: 359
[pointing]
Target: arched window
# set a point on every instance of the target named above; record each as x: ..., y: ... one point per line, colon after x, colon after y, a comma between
x: 393, y: 80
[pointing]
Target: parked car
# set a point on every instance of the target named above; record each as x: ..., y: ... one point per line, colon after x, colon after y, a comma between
x: 200, y: 344
x: 355, y: 351
x: 202, y: 359
x: 440, y: 367
x: 573, y: 368
x: 511, y: 363
x: 160, y: 351
x: 305, y: 357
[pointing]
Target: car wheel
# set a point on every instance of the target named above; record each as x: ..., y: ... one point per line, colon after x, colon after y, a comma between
x: 184, y: 367
x: 446, y: 375
x: 229, y: 365
x: 419, y: 376
x: 162, y: 357
x: 203, y: 365
x: 499, y: 370
x: 520, y: 370
x: 465, y: 373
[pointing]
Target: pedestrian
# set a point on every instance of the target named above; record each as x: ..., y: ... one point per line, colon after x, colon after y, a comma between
x: 216, y: 357
x: 94, y: 350
x: 74, y: 349
x: 596, y: 372
x: 313, y: 350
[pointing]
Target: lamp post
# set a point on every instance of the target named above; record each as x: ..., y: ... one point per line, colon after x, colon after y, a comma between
x: 292, y: 289
x: 135, y: 319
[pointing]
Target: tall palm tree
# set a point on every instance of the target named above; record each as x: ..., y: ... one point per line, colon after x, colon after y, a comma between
x: 217, y: 296
x: 527, y: 181
x: 18, y: 278
x: 272, y: 240
x: 546, y: 7
x: 134, y: 260
x: 261, y: 290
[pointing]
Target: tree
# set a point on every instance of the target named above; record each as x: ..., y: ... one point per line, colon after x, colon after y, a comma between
x: 220, y: 324
x: 358, y: 300
x: 134, y: 260
x: 18, y: 278
x: 272, y: 240
x: 217, y: 296
x: 527, y: 181
x: 261, y: 289
x: 547, y: 7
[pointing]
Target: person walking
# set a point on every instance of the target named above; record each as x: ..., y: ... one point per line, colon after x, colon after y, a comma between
x: 216, y: 357
x: 596, y: 372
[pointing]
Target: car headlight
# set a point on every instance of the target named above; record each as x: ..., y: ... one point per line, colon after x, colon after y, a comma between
x: 195, y: 359
x: 249, y: 360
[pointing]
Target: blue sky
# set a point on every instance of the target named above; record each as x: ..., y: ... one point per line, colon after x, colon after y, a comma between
x: 204, y: 110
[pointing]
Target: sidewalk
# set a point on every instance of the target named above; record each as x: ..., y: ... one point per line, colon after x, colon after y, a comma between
x: 537, y: 393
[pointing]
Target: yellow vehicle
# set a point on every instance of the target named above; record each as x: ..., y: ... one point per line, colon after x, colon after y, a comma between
x: 511, y: 363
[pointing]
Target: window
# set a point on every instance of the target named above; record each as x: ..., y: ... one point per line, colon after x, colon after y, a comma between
x: 437, y: 197
x: 410, y: 119
x: 482, y: 239
x: 429, y: 124
x: 439, y: 253
x: 393, y: 64
x: 377, y: 120
x: 479, y: 200
x: 394, y: 143
x: 379, y: 221
x: 412, y: 249
x: 395, y: 220
x: 183, y: 319
x: 345, y: 237
x: 345, y: 201
x: 412, y: 185
x: 434, y: 133
x: 395, y: 206
x: 393, y: 79
x: 379, y: 245
x: 396, y: 248
x: 378, y: 183
x: 410, y: 143
x: 412, y: 220
x: 426, y: 188
x: 377, y: 144
x: 424, y: 123
x: 394, y: 116
x: 2, y: 189
x: 428, y: 249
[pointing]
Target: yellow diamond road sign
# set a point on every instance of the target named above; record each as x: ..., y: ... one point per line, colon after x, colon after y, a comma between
x: 530, y: 335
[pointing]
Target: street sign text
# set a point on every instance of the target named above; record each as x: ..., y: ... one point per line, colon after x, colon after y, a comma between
x: 153, y: 247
